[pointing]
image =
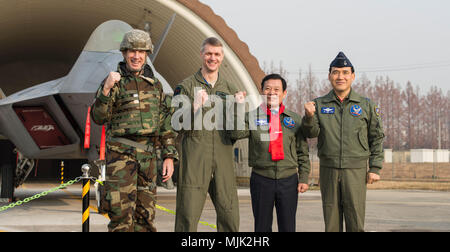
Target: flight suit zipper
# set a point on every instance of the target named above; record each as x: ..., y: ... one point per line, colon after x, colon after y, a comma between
x: 209, y: 91
x: 341, y: 134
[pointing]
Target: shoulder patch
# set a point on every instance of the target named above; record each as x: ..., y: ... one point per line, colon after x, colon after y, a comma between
x: 377, y: 110
x: 177, y: 91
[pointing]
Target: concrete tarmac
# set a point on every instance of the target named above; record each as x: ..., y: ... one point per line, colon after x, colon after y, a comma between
x: 386, y: 211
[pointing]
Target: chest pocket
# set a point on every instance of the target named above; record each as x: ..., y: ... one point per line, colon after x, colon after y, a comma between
x: 136, y: 110
x: 150, y: 109
x: 126, y: 112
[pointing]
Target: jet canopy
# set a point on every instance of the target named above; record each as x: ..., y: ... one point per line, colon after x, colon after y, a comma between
x: 107, y: 36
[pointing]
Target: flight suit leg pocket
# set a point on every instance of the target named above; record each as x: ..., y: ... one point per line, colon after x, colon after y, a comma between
x: 111, y: 202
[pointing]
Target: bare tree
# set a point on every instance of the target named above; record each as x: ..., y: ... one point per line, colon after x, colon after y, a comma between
x: 410, y: 119
x: 412, y: 105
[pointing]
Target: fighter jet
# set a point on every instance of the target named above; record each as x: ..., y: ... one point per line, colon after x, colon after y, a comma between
x: 48, y: 120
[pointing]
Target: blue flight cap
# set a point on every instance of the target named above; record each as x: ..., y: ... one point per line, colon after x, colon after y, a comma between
x: 341, y: 61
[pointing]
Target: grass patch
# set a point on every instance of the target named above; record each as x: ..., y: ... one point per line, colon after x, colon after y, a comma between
x: 410, y: 185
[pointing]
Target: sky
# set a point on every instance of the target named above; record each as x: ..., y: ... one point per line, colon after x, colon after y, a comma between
x: 404, y: 40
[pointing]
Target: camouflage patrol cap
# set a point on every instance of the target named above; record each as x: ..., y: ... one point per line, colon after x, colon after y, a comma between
x: 137, y: 40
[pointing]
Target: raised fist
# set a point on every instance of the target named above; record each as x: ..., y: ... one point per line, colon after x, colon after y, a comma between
x: 240, y: 96
x: 200, y: 99
x: 113, y: 78
x: 310, y: 109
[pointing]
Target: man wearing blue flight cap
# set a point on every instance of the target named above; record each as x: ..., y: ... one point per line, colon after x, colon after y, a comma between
x: 350, y: 147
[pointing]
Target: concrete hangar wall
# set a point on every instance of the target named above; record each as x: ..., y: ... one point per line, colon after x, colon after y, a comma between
x: 41, y: 40
x: 44, y: 38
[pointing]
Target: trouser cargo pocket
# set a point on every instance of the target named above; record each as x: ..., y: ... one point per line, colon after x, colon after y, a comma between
x: 110, y: 198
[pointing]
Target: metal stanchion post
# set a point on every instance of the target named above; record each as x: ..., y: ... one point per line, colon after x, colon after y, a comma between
x: 62, y: 172
x: 85, y: 195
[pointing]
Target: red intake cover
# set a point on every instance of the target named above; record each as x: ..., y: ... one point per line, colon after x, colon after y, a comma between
x: 41, y: 126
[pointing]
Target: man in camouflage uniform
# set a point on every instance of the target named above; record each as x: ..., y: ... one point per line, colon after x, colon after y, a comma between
x: 137, y: 113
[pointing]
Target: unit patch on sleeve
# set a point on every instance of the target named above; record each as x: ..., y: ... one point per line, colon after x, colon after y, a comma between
x: 377, y: 111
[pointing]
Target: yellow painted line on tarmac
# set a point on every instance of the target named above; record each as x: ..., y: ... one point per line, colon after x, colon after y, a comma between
x: 157, y: 206
x: 77, y: 198
x: 73, y: 196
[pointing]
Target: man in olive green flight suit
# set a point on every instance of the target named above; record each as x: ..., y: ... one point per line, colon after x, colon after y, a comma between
x: 206, y: 160
x: 350, y: 134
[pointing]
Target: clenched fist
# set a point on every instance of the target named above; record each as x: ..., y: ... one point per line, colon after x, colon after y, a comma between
x: 240, y: 96
x: 372, y: 178
x: 200, y: 99
x: 310, y: 109
x: 113, y: 78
